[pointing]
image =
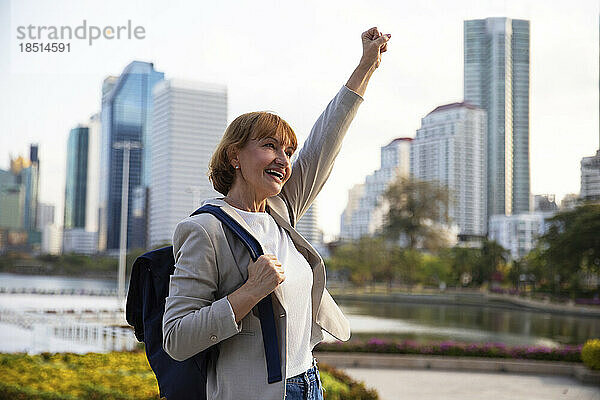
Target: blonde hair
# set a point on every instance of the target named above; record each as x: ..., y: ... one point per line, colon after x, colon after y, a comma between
x: 253, y: 125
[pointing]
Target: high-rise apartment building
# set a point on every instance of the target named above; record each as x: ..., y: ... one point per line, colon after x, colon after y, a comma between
x: 126, y: 116
x: 308, y: 226
x: 365, y: 215
x: 189, y: 119
x: 449, y: 148
x: 349, y: 229
x: 496, y: 78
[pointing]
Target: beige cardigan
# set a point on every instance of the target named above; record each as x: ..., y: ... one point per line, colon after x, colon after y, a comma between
x: 211, y: 263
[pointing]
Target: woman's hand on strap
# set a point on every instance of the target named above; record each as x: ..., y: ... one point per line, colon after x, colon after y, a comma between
x: 374, y: 43
x: 264, y: 275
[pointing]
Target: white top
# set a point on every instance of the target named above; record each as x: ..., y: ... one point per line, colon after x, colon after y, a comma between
x: 294, y: 292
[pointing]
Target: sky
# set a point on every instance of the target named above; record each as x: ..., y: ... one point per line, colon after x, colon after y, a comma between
x: 292, y: 58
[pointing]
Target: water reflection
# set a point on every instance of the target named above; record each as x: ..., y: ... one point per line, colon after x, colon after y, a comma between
x: 467, y: 323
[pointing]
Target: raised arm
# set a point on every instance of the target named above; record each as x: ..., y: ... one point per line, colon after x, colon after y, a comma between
x: 315, y: 159
x: 374, y: 44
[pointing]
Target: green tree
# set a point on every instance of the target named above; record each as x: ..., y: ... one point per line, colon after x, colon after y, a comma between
x: 569, y: 249
x: 375, y: 259
x: 491, y: 258
x: 434, y: 270
x: 414, y: 207
x: 355, y: 257
x: 461, y: 260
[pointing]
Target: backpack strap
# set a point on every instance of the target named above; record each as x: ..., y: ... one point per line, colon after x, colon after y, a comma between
x: 265, y: 306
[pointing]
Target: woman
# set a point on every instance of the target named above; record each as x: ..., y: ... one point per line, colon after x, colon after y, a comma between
x: 216, y: 286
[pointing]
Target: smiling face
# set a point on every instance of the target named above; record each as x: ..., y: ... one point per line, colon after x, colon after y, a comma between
x: 253, y: 160
x: 264, y: 166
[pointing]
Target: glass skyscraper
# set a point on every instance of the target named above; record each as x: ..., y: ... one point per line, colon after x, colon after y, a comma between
x: 496, y: 78
x: 76, y: 184
x: 126, y: 115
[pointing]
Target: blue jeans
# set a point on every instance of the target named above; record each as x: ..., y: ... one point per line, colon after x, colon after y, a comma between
x: 306, y: 386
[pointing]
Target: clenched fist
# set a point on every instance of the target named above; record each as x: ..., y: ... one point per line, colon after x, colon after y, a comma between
x: 265, y: 274
x: 374, y: 44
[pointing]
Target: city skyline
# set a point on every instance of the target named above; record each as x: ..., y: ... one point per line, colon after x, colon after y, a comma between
x: 422, y: 70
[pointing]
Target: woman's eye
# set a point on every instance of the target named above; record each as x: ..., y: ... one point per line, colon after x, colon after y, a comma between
x: 289, y: 154
x: 270, y: 145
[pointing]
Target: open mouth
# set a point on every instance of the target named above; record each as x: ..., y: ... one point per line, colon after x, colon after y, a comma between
x: 275, y: 174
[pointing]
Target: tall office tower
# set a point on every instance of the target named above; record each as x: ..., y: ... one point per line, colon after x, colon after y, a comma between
x: 107, y: 86
x: 93, y: 173
x: 32, y: 182
x: 496, y: 78
x: 12, y: 201
x: 365, y: 215
x: 189, y: 119
x: 81, y: 190
x: 76, y: 184
x: 308, y: 226
x: 126, y: 116
x: 449, y: 148
x: 26, y: 177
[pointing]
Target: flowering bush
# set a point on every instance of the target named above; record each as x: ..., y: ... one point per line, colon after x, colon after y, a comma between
x: 115, y: 376
x: 590, y: 354
x: 450, y: 348
x: 71, y: 376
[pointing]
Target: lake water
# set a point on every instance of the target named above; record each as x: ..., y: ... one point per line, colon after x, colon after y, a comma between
x: 467, y: 323
x: 400, y: 320
x: 57, y: 283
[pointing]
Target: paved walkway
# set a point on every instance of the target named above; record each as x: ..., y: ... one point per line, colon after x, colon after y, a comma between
x: 403, y: 384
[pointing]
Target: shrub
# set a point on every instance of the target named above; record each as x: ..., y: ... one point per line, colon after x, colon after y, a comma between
x: 116, y: 376
x: 457, y: 349
x: 590, y: 354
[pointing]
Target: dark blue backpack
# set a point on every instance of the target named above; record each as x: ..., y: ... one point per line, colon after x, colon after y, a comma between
x: 148, y: 289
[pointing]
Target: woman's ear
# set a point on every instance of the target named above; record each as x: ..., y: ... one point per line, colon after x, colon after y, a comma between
x: 232, y: 153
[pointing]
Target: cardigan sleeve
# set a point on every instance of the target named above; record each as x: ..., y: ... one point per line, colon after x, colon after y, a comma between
x: 315, y: 160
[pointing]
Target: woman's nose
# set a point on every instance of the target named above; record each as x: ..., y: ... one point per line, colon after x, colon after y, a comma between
x: 282, y: 159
